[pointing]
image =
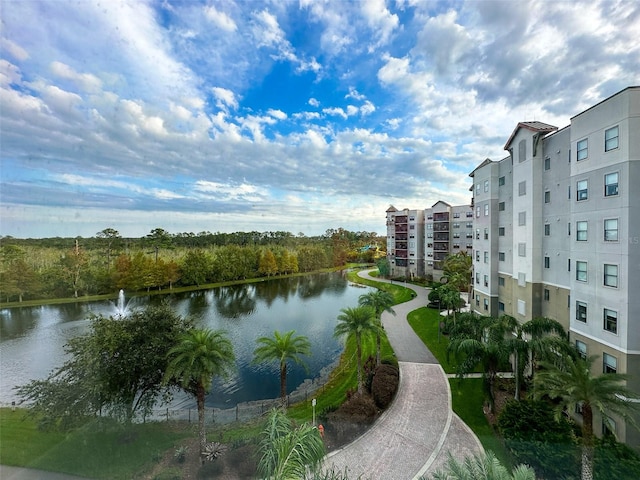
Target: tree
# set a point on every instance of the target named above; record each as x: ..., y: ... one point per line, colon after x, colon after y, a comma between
x: 111, y: 239
x: 482, y: 467
x: 450, y: 298
x: 573, y: 386
x: 117, y: 367
x: 196, y: 266
x: 383, y: 267
x: 380, y: 301
x: 268, y: 265
x: 357, y: 322
x: 194, y: 361
x: 485, y: 343
x: 289, y: 452
x: 456, y: 269
x: 281, y: 348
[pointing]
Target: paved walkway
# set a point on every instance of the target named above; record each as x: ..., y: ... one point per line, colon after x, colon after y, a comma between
x: 413, y: 436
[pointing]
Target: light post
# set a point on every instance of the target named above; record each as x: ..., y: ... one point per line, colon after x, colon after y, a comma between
x: 313, y: 404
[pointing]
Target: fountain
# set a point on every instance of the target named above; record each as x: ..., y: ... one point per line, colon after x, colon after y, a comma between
x: 121, y: 306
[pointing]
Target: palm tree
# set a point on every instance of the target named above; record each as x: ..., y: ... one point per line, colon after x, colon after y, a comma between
x: 281, y: 348
x: 198, y: 356
x: 450, y: 297
x: 287, y: 451
x: 380, y: 301
x: 482, y: 467
x: 358, y: 322
x: 573, y: 386
x: 483, y: 343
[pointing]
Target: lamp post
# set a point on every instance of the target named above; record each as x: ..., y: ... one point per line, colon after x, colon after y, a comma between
x: 313, y: 404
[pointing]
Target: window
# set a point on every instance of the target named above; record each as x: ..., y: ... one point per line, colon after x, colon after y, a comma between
x: 486, y: 280
x: 610, y: 320
x: 582, y: 149
x: 522, y: 307
x: 486, y: 186
x: 581, y: 347
x: 568, y: 264
x: 477, y: 300
x: 522, y: 249
x: 501, y: 207
x: 429, y: 226
x: 581, y: 312
x: 478, y: 211
x: 477, y: 188
x: 547, y: 196
x: 456, y: 225
x: 611, y: 230
x: 546, y: 294
x: 546, y: 262
x: 547, y: 163
x: 610, y: 363
x: 477, y: 234
x: 501, y: 306
x: 501, y: 231
x: 501, y: 281
x: 522, y: 188
x: 501, y: 256
x: 486, y: 257
x: 477, y: 255
x: 611, y: 184
x: 582, y: 190
x: 569, y: 228
x: 486, y: 234
x: 486, y: 209
x: 500, y: 181
x: 610, y: 275
x: 611, y: 139
x: 486, y: 304
x: 470, y: 225
x: 522, y: 150
x: 522, y: 218
x: 547, y: 229
x: 581, y: 231
x: 581, y: 271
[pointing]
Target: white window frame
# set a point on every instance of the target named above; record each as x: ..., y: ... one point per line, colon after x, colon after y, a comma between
x: 611, y: 138
x: 608, y: 231
x: 610, y: 275
x: 582, y: 231
x: 582, y: 190
x: 582, y: 271
x: 581, y: 311
x: 582, y: 149
x: 611, y: 189
x: 610, y: 320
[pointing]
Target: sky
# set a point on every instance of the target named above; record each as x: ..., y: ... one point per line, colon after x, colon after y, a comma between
x: 298, y: 116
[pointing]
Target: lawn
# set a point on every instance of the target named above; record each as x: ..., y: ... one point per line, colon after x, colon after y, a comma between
x: 425, y: 322
x: 97, y: 450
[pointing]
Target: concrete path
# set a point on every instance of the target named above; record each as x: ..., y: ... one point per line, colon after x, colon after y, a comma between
x: 414, y: 435
x: 19, y: 473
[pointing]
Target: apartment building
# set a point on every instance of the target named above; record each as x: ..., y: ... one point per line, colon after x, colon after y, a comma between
x: 557, y: 233
x: 448, y: 229
x: 405, y: 242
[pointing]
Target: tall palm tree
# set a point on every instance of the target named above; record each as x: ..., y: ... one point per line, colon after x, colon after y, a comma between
x: 357, y: 322
x: 574, y: 386
x: 380, y: 301
x: 198, y: 356
x: 484, y: 343
x: 287, y: 451
x: 482, y: 467
x: 281, y: 348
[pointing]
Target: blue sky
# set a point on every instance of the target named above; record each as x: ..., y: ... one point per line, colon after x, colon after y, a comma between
x: 280, y: 115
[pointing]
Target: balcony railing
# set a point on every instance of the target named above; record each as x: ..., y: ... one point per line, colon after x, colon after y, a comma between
x: 441, y: 227
x: 441, y: 217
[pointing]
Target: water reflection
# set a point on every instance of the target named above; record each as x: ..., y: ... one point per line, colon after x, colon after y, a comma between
x: 32, y: 339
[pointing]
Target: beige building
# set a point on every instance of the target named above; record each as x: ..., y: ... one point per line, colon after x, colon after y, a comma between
x: 405, y: 242
x: 557, y: 233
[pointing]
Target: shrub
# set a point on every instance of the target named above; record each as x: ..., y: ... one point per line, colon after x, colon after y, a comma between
x: 384, y: 385
x: 534, y: 438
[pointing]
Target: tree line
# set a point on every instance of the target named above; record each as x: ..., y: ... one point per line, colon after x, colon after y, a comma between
x: 73, y: 267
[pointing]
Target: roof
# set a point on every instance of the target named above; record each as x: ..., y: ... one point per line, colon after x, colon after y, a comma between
x: 486, y: 162
x: 537, y: 127
x: 392, y: 209
x: 440, y: 201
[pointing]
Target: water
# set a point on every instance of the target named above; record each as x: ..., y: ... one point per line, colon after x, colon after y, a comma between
x: 32, y: 339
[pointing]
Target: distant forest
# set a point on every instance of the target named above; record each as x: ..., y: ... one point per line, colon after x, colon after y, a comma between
x: 47, y: 268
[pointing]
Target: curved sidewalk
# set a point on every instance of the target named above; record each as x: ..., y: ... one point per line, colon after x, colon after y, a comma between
x: 414, y: 435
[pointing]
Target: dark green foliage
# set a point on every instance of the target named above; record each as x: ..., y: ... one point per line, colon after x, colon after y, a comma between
x: 615, y: 460
x: 533, y: 437
x: 116, y: 368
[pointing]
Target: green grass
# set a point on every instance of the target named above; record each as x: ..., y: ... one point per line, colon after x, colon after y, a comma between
x: 425, y: 322
x: 97, y: 450
x: 467, y: 399
x: 400, y: 294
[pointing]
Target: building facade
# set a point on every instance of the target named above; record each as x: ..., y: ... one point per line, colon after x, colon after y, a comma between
x: 405, y: 242
x: 448, y: 230
x: 557, y: 234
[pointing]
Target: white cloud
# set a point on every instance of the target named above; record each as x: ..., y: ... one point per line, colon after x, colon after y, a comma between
x: 380, y: 20
x: 225, y: 98
x: 313, y: 102
x: 279, y: 114
x: 220, y: 19
x: 86, y: 81
x: 335, y: 111
x: 13, y: 49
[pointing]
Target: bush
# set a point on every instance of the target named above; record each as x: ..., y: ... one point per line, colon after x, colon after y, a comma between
x: 384, y: 385
x: 534, y: 438
x: 615, y: 460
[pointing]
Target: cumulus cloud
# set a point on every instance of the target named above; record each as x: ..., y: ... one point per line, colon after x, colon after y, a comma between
x: 220, y: 19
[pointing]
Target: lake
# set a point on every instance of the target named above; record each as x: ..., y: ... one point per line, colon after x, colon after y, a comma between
x: 32, y: 339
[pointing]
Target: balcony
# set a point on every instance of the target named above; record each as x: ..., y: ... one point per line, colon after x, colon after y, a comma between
x: 441, y: 217
x: 400, y: 220
x: 441, y: 237
x: 441, y: 227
